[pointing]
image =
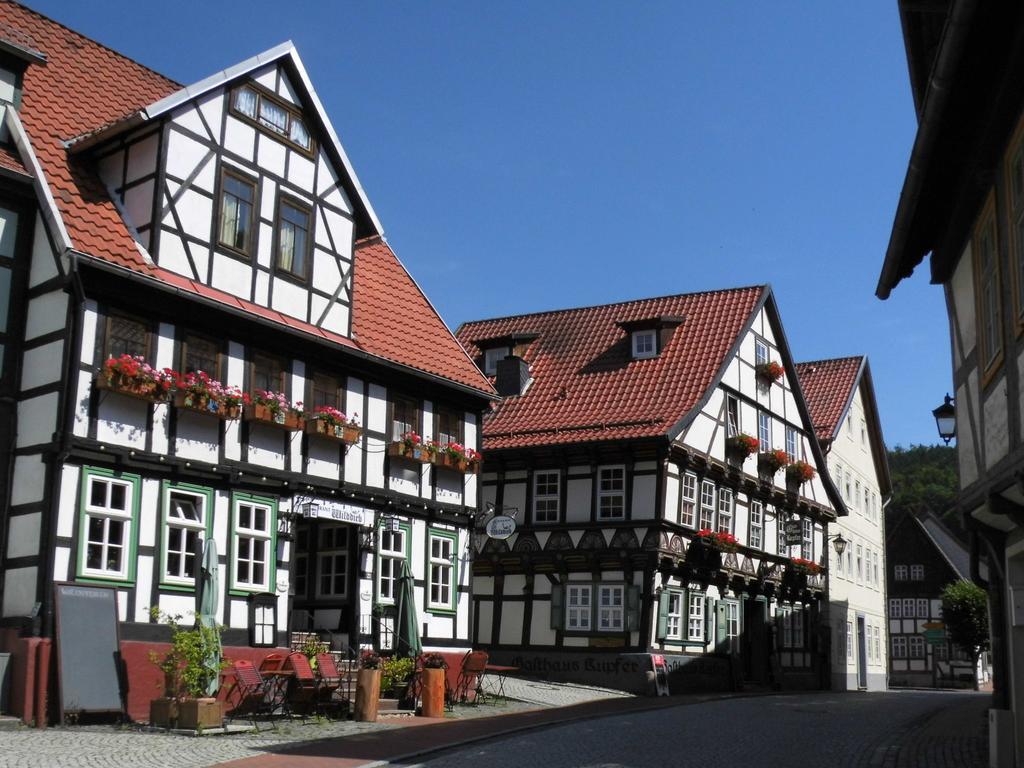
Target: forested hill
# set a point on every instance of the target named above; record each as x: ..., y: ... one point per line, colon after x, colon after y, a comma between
x: 925, y: 476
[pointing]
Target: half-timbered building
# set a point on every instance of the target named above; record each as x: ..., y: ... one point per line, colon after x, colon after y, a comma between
x: 962, y: 205
x: 841, y: 400
x: 631, y: 448
x: 216, y: 230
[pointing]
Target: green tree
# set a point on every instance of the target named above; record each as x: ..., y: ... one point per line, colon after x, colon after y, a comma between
x: 965, y: 613
x: 925, y: 476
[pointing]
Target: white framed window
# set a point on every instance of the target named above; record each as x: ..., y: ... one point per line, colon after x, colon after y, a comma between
x: 107, y: 526
x: 491, y: 358
x: 849, y: 641
x: 392, y: 549
x: 863, y: 434
x: 849, y: 424
x: 878, y: 644
x: 875, y: 571
x: 611, y: 608
x: 899, y: 572
x: 674, y: 616
x: 847, y: 486
x: 764, y: 432
x: 792, y: 621
x: 909, y: 607
x: 867, y: 644
x: 807, y: 539
x: 441, y: 587
x: 695, y: 616
x: 867, y: 502
x: 707, y: 505
x: 922, y: 608
x: 760, y: 352
x: 546, y: 496
x: 895, y: 608
x: 849, y: 560
x: 725, y: 509
x: 732, y: 416
x: 687, y: 510
x: 899, y: 646
x: 611, y: 493
x: 578, y: 607
x: 644, y: 344
x: 917, y: 573
x: 860, y: 564
x: 252, y: 543
x: 916, y: 647
x: 732, y: 625
x: 332, y: 560
x: 185, y: 518
x: 756, y: 524
x: 791, y: 443
x: 856, y: 495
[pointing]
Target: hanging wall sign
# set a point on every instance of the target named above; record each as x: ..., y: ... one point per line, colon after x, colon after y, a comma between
x: 501, y: 527
x: 794, y: 532
x: 325, y: 509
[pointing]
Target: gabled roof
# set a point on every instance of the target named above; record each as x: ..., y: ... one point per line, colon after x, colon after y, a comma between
x: 829, y: 387
x: 949, y: 547
x: 586, y: 386
x: 85, y: 87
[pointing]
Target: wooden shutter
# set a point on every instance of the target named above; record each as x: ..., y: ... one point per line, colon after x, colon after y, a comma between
x: 632, y: 608
x: 663, y: 600
x: 557, y: 606
x: 721, y: 633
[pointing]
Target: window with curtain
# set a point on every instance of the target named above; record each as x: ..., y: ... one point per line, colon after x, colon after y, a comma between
x: 237, y: 197
x: 293, y: 238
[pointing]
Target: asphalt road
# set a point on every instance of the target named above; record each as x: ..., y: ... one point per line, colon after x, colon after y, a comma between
x: 908, y: 729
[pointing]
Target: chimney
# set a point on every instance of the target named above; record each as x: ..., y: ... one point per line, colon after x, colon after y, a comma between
x: 513, y: 374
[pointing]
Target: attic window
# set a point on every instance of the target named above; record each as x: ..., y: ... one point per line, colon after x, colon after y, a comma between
x: 491, y: 358
x: 272, y: 116
x: 645, y: 344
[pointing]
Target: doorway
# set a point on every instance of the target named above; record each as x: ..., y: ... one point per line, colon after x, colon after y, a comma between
x: 754, y: 645
x: 862, y: 655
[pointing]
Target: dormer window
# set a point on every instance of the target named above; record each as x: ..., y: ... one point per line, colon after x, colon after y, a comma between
x: 644, y: 344
x: 491, y: 358
x: 272, y: 116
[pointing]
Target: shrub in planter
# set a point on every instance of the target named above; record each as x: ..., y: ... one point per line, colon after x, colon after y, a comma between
x: 741, y: 446
x: 771, y: 462
x: 799, y: 472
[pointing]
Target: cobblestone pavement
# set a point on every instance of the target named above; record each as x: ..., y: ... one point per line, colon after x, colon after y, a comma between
x: 548, y: 694
x: 102, y: 746
x: 875, y: 730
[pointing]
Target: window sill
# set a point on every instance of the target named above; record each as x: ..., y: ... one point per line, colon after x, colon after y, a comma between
x: 172, y: 587
x: 246, y: 591
x: 96, y: 579
x: 442, y: 611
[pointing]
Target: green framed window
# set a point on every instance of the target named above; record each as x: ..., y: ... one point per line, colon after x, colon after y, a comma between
x: 187, y: 517
x: 393, y: 549
x: 442, y: 571
x: 108, y: 525
x: 253, y: 543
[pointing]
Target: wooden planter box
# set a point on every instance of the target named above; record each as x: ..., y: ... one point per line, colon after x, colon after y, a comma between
x: 704, y: 557
x: 200, y: 714
x: 206, y: 406
x: 321, y: 428
x: 416, y: 453
x: 433, y: 693
x: 131, y: 388
x: 163, y: 713
x: 286, y: 420
x: 367, y: 695
x: 464, y: 466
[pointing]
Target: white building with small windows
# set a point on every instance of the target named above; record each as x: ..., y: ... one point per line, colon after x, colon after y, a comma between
x: 207, y: 338
x: 632, y: 449
x: 841, y: 399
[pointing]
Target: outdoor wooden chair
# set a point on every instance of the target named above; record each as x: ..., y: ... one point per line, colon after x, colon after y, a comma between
x: 328, y: 679
x: 273, y: 662
x: 471, y: 675
x: 303, y: 687
x: 251, y: 694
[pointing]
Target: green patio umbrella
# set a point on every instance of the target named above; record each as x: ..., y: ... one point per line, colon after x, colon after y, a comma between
x: 209, y: 599
x: 407, y: 634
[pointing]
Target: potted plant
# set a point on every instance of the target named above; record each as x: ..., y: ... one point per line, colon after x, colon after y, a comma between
x: 411, y: 446
x: 368, y: 687
x: 331, y: 423
x: 275, y: 409
x: 770, y: 462
x: 723, y: 541
x: 199, y: 392
x: 739, y: 447
x: 705, y: 551
x: 456, y: 456
x: 133, y: 376
x: 798, y: 473
x: 794, y: 578
x: 188, y: 676
x: 434, y: 670
x: 769, y: 372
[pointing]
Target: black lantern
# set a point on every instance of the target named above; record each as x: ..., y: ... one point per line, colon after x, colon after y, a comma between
x: 945, y: 419
x: 838, y: 544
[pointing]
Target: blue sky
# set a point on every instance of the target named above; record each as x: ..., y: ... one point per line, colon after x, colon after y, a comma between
x: 536, y: 155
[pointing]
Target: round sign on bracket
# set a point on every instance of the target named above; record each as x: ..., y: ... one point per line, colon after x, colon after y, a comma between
x: 501, y: 527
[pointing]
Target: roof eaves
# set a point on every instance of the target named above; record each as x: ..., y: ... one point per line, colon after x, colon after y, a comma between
x: 47, y: 205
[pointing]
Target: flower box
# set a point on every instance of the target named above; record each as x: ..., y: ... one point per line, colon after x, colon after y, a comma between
x: 402, y: 449
x: 770, y: 462
x: 723, y: 541
x: 458, y: 463
x: 289, y: 420
x: 200, y: 714
x: 798, y: 473
x: 770, y: 371
x: 342, y: 433
x: 703, y: 556
x: 140, y: 390
x: 206, y: 405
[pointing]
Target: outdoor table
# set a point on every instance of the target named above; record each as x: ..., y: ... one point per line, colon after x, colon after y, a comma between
x: 500, y: 672
x: 277, y: 689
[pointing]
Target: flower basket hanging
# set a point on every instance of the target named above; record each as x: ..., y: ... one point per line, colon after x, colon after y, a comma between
x: 770, y: 371
x: 739, y: 447
x: 798, y: 473
x: 803, y: 566
x: 134, y: 377
x: 770, y: 462
x: 723, y: 541
x: 411, y: 446
x: 274, y: 409
x: 332, y: 424
x: 202, y: 394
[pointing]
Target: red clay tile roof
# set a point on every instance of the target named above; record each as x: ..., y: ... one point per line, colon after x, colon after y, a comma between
x: 827, y: 386
x: 10, y: 161
x: 85, y: 86
x: 586, y: 386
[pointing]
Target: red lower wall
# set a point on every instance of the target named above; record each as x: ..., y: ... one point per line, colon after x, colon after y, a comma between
x: 23, y: 673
